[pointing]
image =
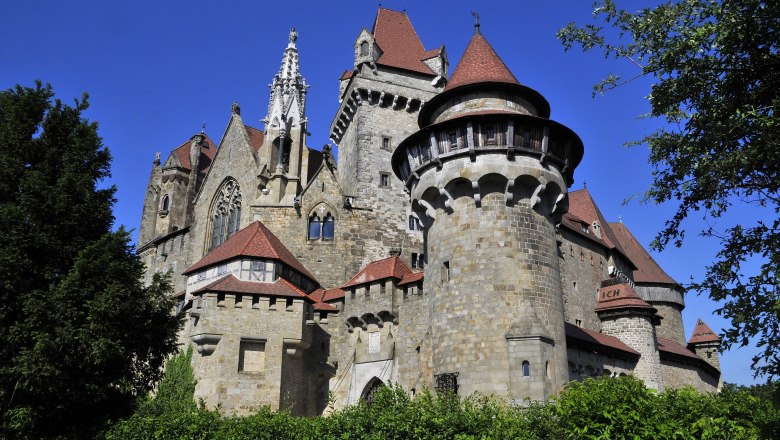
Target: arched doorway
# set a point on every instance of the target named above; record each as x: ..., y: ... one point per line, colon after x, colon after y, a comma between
x: 369, y: 392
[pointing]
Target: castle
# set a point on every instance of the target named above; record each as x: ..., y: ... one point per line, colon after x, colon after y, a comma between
x: 442, y: 251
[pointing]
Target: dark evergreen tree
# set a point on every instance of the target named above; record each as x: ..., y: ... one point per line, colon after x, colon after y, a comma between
x: 81, y: 336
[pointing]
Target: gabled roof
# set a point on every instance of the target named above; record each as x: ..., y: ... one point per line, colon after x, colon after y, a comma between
x: 647, y: 271
x: 315, y: 162
x: 480, y: 63
x: 578, y: 337
x: 231, y: 284
x: 401, y: 47
x: 207, y: 153
x: 583, y: 208
x: 620, y: 296
x: 256, y: 137
x: 392, y: 267
x: 411, y: 278
x: 254, y: 240
x: 702, y: 333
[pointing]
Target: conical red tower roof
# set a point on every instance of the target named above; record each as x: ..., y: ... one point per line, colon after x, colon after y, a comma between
x: 480, y: 63
x: 703, y: 333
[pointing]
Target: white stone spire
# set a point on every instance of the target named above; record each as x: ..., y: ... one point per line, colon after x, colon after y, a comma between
x: 286, y: 108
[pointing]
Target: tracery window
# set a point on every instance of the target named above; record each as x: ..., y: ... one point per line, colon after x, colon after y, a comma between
x: 315, y: 227
x: 226, y: 213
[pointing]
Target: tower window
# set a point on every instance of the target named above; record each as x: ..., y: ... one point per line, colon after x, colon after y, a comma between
x: 364, y: 48
x: 445, y: 271
x: 386, y: 143
x: 328, y: 227
x: 166, y: 203
x: 414, y: 260
x: 384, y: 180
x: 453, y: 135
x: 526, y: 369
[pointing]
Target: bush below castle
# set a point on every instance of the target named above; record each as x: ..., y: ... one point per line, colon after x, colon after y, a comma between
x: 601, y: 408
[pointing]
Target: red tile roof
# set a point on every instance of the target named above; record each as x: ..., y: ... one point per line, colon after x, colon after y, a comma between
x: 207, y: 153
x: 400, y: 45
x: 411, y: 278
x: 320, y: 296
x: 333, y: 294
x: 231, y: 284
x: 577, y: 337
x: 648, y: 271
x: 620, y: 296
x: 582, y: 206
x: 254, y: 240
x: 256, y: 137
x: 315, y: 162
x: 480, y: 63
x: 702, y: 333
x: 673, y: 347
x: 431, y: 54
x: 347, y: 75
x: 392, y: 267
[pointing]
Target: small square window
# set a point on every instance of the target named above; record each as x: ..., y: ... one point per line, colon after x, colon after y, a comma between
x: 384, y: 180
x: 386, y: 143
x: 251, y: 356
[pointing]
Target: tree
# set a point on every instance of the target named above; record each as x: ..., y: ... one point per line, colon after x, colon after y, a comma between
x: 82, y: 338
x: 715, y: 73
x: 176, y: 391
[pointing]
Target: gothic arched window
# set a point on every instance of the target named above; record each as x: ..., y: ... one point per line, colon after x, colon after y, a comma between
x: 315, y: 227
x: 166, y: 203
x: 322, y: 228
x: 226, y: 213
x: 364, y: 48
x: 526, y: 368
x: 328, y: 227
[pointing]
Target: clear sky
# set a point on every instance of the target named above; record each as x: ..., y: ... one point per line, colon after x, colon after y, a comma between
x: 157, y: 70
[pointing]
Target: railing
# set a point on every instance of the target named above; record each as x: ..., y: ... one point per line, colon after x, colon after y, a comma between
x: 487, y: 135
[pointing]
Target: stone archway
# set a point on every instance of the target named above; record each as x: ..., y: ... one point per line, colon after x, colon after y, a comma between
x: 369, y: 391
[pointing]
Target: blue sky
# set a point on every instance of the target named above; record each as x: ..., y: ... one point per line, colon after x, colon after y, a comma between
x: 156, y: 71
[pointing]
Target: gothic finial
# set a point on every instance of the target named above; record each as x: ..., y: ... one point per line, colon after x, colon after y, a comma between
x: 293, y: 36
x: 235, y: 109
x: 585, y: 184
x: 157, y: 158
x: 475, y: 14
x: 620, y: 218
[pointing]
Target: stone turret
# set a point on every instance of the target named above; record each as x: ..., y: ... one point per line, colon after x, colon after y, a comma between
x: 627, y: 317
x: 488, y: 173
x: 284, y: 155
x: 151, y: 203
x: 705, y: 343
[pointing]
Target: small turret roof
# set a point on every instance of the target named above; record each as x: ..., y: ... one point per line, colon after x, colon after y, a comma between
x: 254, y: 240
x: 702, y: 333
x: 392, y: 267
x: 620, y: 296
x: 207, y: 152
x: 480, y: 63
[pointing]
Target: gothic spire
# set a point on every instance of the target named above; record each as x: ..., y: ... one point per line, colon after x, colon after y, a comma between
x: 286, y: 108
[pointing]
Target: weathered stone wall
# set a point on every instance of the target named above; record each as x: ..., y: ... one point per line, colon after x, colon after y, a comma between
x: 241, y: 382
x: 583, y: 364
x: 583, y: 266
x: 679, y: 375
x: 638, y: 333
x: 670, y: 303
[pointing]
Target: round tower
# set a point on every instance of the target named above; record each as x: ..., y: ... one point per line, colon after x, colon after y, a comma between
x: 488, y: 173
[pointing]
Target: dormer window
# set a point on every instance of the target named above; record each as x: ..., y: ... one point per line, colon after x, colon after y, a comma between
x: 585, y: 228
x: 364, y: 48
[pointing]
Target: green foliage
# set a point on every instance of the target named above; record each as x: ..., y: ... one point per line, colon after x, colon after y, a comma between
x: 176, y: 391
x: 715, y: 73
x: 594, y: 409
x: 82, y: 338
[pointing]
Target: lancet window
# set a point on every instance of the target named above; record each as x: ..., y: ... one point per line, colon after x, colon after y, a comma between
x: 322, y: 228
x: 226, y: 213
